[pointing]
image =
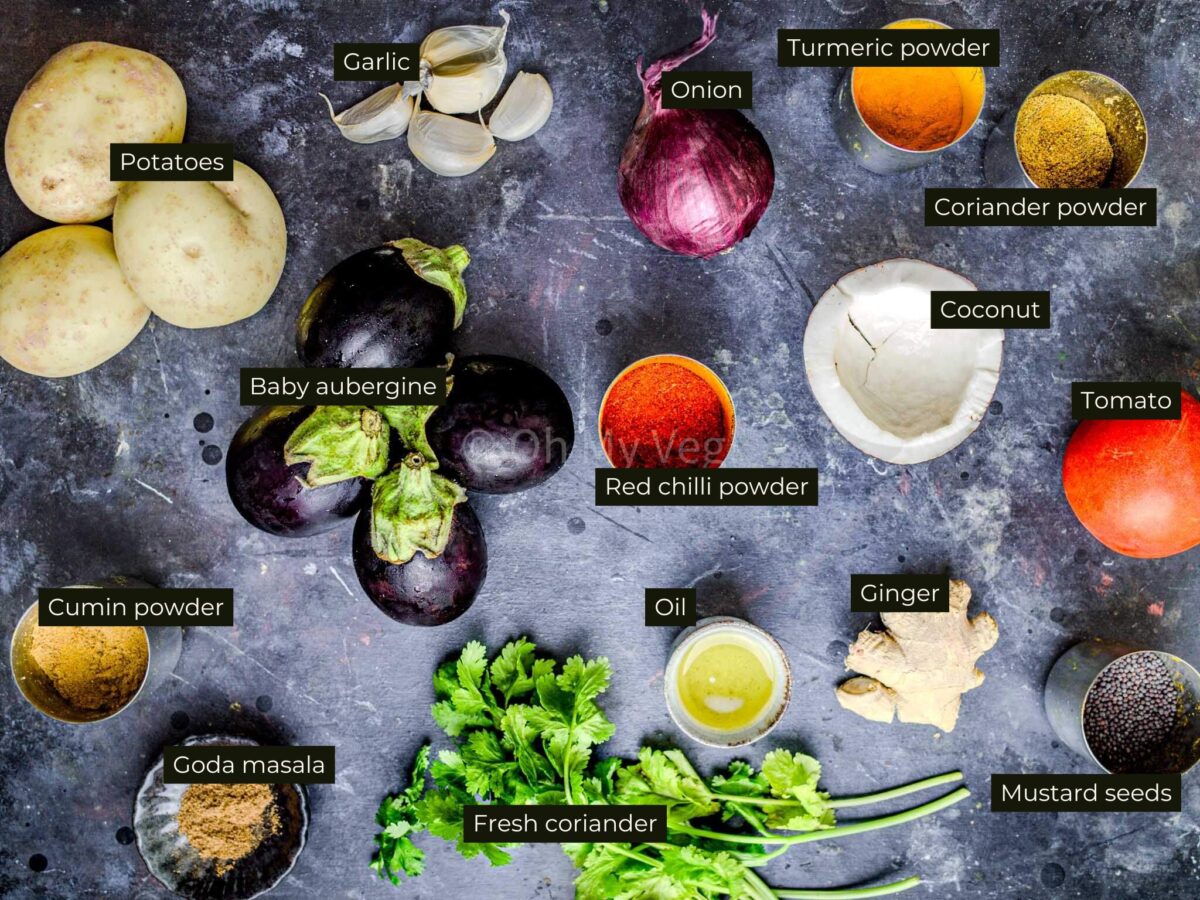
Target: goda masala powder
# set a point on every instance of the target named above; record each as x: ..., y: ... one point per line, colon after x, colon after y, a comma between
x: 662, y: 415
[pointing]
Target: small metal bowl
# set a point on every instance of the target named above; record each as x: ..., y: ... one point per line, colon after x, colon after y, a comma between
x: 882, y: 157
x: 164, y: 645
x: 174, y: 862
x: 1107, y: 98
x: 1071, y: 680
x: 711, y: 378
x: 714, y: 737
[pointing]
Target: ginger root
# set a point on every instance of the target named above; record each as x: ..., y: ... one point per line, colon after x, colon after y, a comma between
x: 920, y: 666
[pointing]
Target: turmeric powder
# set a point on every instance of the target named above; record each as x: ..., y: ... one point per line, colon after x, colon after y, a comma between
x: 914, y: 108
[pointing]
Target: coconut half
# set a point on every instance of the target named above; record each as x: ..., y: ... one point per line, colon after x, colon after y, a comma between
x: 893, y: 386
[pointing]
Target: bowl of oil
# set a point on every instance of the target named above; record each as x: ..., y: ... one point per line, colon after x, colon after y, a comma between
x: 727, y: 682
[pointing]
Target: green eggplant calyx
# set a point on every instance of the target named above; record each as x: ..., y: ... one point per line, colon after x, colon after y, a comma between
x: 409, y: 423
x: 441, y: 267
x: 339, y: 443
x: 412, y: 509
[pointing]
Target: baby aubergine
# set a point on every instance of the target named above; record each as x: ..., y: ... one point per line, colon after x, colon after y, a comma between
x: 394, y: 306
x: 270, y: 494
x: 425, y: 591
x: 506, y: 426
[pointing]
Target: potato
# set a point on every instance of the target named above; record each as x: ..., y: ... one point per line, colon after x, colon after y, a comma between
x: 84, y: 98
x: 201, y: 253
x: 64, y: 304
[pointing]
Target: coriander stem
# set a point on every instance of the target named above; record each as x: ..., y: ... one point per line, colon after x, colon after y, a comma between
x: 847, y: 802
x: 899, y: 818
x: 758, y: 887
x: 892, y: 793
x: 879, y: 890
x: 633, y: 854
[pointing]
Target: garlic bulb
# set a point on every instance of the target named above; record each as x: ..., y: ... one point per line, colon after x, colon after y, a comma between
x: 523, y: 109
x: 381, y: 117
x: 449, y: 146
x: 462, y: 67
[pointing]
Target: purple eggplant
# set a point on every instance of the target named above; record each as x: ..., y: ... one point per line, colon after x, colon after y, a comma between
x: 270, y: 494
x: 505, y: 426
x: 394, y: 306
x: 425, y: 591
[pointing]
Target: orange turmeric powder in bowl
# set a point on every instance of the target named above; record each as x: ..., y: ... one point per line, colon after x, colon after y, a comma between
x: 918, y: 108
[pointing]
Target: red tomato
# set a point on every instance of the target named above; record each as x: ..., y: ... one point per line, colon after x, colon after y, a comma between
x: 1135, y: 484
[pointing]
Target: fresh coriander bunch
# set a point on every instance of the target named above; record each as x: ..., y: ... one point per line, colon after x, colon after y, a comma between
x: 525, y: 727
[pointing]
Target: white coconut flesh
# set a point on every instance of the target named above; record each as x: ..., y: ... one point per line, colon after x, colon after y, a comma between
x: 893, y: 386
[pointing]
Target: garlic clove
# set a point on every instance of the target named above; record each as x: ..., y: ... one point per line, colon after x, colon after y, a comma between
x: 382, y: 116
x: 462, y: 67
x: 449, y: 146
x: 523, y: 109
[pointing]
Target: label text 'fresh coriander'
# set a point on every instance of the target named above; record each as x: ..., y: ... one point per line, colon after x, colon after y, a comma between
x: 558, y: 824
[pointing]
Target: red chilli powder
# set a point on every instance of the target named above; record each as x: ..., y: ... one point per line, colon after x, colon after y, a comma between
x: 664, y: 416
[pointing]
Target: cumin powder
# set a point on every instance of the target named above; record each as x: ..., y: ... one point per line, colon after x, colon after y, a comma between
x: 227, y: 822
x: 92, y: 668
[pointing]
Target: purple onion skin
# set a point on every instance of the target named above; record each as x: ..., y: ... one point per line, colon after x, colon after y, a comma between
x: 268, y: 493
x: 693, y: 181
x: 425, y: 591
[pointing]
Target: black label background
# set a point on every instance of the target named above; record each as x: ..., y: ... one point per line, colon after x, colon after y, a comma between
x: 1174, y: 782
x: 895, y: 37
x: 240, y: 754
x: 941, y: 582
x: 411, y: 72
x: 657, y: 815
x: 130, y: 597
x: 344, y: 376
x: 937, y: 320
x: 712, y: 477
x: 744, y: 80
x: 1050, y: 217
x: 223, y: 153
x: 1126, y: 389
x: 688, y: 617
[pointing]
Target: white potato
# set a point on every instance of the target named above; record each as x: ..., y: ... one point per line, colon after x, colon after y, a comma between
x: 84, y: 98
x: 64, y: 304
x: 201, y: 253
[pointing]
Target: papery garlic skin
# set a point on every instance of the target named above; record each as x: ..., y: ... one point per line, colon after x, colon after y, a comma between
x: 449, y: 146
x: 523, y: 109
x: 462, y: 67
x: 381, y: 117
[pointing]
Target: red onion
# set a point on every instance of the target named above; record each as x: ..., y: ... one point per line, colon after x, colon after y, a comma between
x: 694, y: 181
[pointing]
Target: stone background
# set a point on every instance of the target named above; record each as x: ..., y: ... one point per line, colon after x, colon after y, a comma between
x: 106, y: 472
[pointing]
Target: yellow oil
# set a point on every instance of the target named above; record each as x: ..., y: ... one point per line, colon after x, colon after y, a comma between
x: 726, y: 681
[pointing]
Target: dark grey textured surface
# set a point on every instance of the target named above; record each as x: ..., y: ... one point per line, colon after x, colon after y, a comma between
x: 104, y: 472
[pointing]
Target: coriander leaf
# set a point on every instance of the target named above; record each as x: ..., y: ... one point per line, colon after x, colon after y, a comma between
x: 666, y: 778
x: 586, y: 680
x: 486, y: 764
x: 714, y: 873
x: 516, y: 669
x: 741, y: 780
x: 521, y: 737
x: 794, y: 776
x: 467, y: 698
x: 400, y: 816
